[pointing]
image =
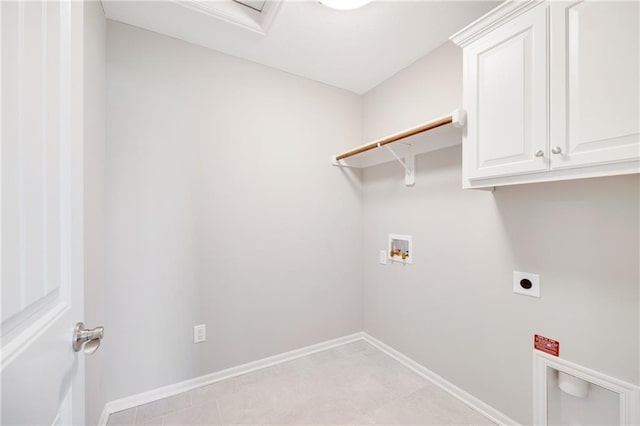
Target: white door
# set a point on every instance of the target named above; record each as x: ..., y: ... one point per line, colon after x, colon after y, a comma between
x: 505, y: 95
x: 41, y: 215
x: 595, y: 81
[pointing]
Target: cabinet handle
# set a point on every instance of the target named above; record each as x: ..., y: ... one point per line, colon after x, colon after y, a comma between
x: 556, y: 150
x: 539, y: 153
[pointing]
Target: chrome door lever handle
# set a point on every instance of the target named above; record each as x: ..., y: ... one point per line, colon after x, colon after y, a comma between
x: 87, y: 338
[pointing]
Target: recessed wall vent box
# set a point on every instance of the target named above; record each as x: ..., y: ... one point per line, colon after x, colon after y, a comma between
x: 400, y: 248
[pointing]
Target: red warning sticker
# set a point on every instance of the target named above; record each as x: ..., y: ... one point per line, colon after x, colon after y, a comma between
x: 544, y: 344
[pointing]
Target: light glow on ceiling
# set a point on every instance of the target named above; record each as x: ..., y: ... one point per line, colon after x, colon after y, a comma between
x: 344, y: 4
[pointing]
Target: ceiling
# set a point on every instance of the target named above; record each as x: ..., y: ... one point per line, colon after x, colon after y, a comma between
x: 355, y: 50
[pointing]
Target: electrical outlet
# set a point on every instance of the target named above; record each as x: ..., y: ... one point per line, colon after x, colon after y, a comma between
x: 526, y: 283
x: 383, y: 257
x: 199, y: 333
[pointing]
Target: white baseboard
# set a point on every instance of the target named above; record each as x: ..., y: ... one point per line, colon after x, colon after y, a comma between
x: 187, y: 385
x: 464, y: 396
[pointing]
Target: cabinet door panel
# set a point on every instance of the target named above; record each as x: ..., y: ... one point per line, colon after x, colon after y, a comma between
x: 506, y: 98
x: 595, y: 82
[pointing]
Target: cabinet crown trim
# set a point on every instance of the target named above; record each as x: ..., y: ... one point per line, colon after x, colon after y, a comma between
x: 492, y: 19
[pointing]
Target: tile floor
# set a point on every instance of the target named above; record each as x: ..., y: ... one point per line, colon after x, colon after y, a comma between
x: 350, y: 384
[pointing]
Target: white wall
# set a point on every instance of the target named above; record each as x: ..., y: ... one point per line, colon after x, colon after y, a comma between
x: 453, y: 310
x: 222, y: 209
x: 429, y: 88
x: 95, y: 35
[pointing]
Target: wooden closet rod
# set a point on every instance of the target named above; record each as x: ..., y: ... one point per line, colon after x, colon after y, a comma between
x: 395, y: 138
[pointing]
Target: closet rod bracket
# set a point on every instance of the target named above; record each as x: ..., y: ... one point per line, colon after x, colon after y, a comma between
x: 409, y: 164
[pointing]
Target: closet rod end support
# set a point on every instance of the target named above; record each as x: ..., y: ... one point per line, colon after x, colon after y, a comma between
x: 458, y: 118
x: 340, y: 163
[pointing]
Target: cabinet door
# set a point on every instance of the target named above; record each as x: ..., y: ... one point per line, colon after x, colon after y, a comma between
x: 505, y: 95
x: 595, y: 74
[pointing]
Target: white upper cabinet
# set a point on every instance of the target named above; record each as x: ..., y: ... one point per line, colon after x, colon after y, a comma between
x: 505, y: 79
x: 595, y: 82
x: 551, y: 91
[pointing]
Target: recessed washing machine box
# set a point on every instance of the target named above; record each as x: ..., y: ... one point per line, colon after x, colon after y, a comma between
x: 400, y: 248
